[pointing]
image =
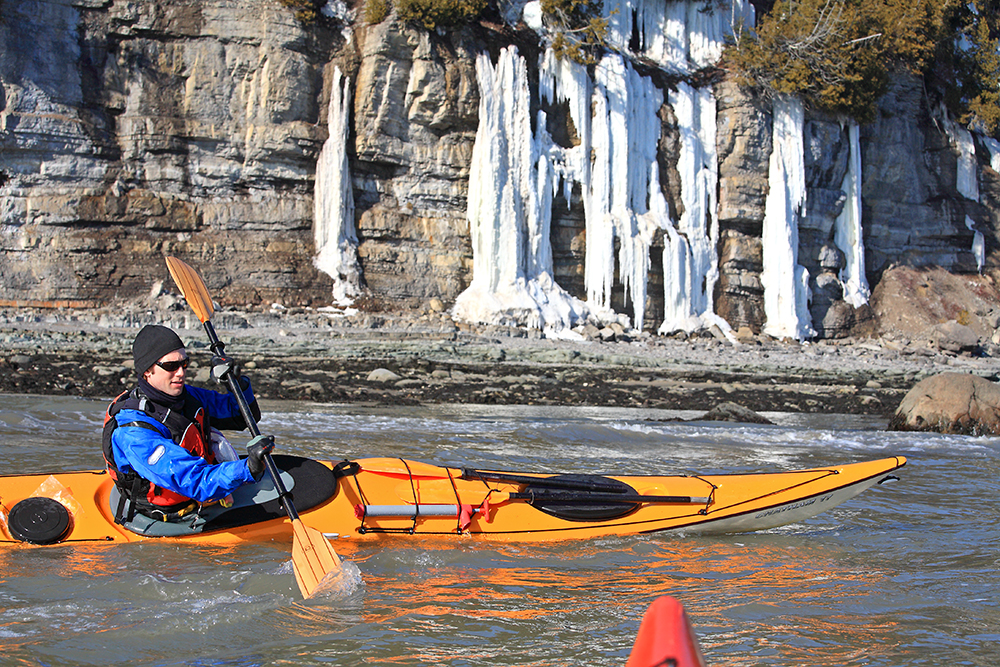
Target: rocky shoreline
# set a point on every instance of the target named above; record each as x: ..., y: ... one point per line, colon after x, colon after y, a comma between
x: 406, y: 359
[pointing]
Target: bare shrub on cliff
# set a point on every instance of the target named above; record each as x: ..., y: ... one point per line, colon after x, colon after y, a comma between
x: 579, y: 32
x: 377, y: 11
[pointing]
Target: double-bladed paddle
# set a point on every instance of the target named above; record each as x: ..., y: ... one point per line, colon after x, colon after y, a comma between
x: 312, y: 554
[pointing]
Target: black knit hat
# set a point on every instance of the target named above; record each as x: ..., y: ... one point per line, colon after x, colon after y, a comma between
x: 151, y: 344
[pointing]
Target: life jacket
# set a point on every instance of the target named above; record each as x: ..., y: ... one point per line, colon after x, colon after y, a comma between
x: 189, y: 428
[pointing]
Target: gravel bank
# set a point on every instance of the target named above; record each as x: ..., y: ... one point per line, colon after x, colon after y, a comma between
x: 396, y: 360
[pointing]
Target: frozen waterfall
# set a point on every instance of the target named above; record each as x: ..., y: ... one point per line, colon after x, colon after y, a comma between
x: 624, y: 133
x: 847, y: 230
x: 786, y: 282
x: 993, y: 146
x: 967, y: 178
x: 979, y: 242
x: 681, y: 37
x: 509, y: 210
x: 615, y: 113
x: 333, y: 205
x: 690, y: 261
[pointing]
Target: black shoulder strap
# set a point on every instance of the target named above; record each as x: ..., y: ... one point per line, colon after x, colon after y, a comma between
x: 176, y: 421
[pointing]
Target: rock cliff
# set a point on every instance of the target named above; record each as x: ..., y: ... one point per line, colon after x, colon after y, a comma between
x: 133, y: 130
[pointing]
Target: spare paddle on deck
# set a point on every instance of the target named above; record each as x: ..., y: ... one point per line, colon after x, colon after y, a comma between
x: 424, y: 509
x: 569, y: 482
x: 589, y: 498
x: 312, y: 554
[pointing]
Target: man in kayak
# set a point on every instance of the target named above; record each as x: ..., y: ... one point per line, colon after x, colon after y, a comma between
x: 158, y: 436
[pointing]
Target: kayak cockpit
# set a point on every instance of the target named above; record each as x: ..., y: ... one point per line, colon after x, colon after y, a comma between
x: 309, y: 482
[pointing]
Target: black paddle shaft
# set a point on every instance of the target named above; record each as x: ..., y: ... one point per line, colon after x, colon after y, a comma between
x: 597, y: 498
x: 234, y: 388
x: 598, y: 483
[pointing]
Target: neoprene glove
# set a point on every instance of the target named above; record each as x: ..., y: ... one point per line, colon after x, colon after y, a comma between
x: 256, y: 449
x: 222, y: 366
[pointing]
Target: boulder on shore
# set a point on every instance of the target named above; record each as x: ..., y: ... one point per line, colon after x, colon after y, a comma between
x: 954, y: 337
x: 956, y: 403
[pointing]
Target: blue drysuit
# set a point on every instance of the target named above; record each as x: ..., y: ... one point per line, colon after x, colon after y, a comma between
x: 154, y: 455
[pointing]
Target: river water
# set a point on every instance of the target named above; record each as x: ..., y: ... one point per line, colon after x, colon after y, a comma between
x: 905, y: 574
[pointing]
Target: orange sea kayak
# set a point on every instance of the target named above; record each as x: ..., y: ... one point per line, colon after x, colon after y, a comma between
x: 376, y: 498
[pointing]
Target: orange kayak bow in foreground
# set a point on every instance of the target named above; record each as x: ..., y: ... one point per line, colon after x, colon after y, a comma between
x: 371, y: 499
x: 665, y: 638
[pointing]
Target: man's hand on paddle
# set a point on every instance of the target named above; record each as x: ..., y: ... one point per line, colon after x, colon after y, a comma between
x: 256, y: 450
x: 222, y: 367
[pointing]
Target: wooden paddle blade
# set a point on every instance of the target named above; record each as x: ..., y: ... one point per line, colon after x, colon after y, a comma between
x: 313, y: 557
x: 192, y: 287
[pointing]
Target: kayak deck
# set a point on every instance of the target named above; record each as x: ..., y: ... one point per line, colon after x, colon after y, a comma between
x: 380, y: 497
x: 703, y: 503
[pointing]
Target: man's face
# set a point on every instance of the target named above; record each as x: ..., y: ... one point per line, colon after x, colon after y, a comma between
x: 170, y: 382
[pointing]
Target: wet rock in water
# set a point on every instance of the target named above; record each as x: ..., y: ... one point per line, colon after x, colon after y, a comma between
x: 733, y: 412
x: 956, y: 403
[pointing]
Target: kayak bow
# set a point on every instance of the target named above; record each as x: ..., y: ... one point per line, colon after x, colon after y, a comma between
x: 665, y: 638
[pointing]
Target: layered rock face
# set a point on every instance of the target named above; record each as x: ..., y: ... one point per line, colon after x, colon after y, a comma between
x: 133, y: 130
x: 913, y: 213
x: 416, y: 113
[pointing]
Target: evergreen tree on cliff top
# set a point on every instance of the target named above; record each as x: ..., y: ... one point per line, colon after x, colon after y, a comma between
x: 839, y: 55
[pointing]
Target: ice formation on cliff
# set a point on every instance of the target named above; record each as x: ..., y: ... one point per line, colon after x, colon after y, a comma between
x: 994, y: 148
x: 515, y: 173
x: 847, y: 230
x: 510, y: 208
x: 681, y: 37
x: 978, y: 243
x: 623, y: 135
x: 786, y: 282
x: 333, y: 225
x: 689, y: 253
x: 967, y: 179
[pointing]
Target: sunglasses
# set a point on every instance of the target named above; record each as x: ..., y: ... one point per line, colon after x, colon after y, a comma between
x: 173, y: 366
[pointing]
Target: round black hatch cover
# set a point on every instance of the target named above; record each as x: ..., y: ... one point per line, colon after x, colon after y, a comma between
x: 38, y: 521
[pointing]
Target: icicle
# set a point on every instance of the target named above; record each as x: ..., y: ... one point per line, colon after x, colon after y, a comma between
x: 690, y: 259
x: 967, y: 169
x: 967, y: 176
x: 847, y: 231
x: 333, y: 206
x: 598, y: 258
x: 994, y: 148
x: 563, y: 80
x: 681, y: 36
x: 978, y: 243
x: 786, y: 283
x: 624, y: 133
